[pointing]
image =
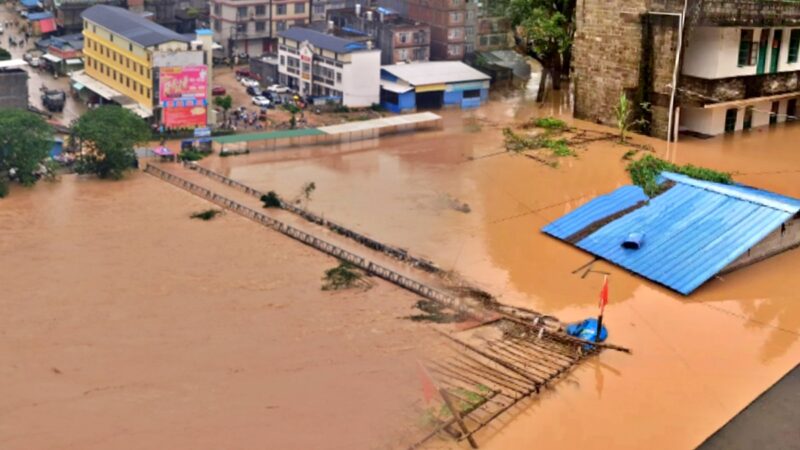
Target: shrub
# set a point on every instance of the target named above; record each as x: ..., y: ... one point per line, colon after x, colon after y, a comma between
x: 3, y: 187
x: 206, y: 215
x: 558, y: 147
x: 271, y: 200
x: 645, y: 171
x: 191, y: 155
x: 343, y: 276
x: 550, y: 123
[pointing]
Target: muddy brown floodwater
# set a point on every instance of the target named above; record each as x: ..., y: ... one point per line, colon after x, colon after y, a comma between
x: 127, y: 325
x: 697, y: 361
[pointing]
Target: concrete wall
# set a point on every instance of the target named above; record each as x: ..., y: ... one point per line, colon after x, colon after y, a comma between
x: 14, y: 89
x: 782, y: 239
x: 711, y: 121
x: 713, y: 52
x: 361, y: 79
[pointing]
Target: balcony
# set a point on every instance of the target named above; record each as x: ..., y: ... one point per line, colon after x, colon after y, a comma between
x: 698, y: 91
x: 734, y: 13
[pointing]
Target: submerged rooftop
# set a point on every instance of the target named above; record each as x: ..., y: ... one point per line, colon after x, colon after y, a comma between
x: 688, y: 234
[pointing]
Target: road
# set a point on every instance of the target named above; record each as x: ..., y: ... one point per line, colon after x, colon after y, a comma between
x: 73, y: 107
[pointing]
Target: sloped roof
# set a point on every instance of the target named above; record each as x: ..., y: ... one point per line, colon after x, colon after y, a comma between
x: 322, y: 40
x: 131, y: 25
x: 435, y: 72
x: 691, y: 232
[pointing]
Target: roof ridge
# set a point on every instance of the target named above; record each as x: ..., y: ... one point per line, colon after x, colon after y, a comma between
x: 725, y: 190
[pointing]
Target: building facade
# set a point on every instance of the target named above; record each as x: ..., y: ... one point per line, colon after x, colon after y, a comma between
x: 147, y: 68
x: 432, y: 85
x: 737, y: 63
x: 252, y: 27
x: 13, y: 84
x: 317, y: 64
x: 447, y: 20
x: 399, y: 39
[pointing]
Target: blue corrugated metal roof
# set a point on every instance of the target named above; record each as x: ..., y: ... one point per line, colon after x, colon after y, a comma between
x: 597, y: 209
x: 691, y: 232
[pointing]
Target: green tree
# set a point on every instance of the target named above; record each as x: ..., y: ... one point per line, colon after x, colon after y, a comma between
x: 107, y: 136
x: 25, y: 141
x: 545, y: 31
x: 225, y: 102
x: 4, y: 54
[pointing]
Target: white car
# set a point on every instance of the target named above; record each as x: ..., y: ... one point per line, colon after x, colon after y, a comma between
x: 278, y: 89
x: 246, y: 82
x: 261, y: 101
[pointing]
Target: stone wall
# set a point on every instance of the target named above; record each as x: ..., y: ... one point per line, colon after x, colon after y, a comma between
x: 782, y: 239
x: 608, y: 55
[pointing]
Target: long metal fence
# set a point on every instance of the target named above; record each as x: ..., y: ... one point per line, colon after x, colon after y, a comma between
x: 308, y: 239
x: 395, y: 252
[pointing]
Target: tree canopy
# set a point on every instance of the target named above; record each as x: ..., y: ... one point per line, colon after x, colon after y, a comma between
x: 25, y: 141
x: 4, y: 54
x: 110, y: 133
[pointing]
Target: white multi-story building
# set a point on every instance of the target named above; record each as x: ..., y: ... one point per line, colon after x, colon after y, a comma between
x: 252, y: 26
x: 737, y: 78
x: 321, y: 65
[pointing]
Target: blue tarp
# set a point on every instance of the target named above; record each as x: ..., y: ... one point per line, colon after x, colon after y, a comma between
x: 40, y: 16
x: 29, y: 3
x: 693, y: 230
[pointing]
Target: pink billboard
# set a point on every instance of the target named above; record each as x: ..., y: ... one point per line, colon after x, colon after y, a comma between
x: 183, y: 83
x: 184, y: 117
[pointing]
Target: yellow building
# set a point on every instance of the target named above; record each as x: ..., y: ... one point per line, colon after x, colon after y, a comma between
x: 124, y: 54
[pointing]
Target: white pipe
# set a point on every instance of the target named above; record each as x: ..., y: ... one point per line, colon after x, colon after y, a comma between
x: 681, y: 21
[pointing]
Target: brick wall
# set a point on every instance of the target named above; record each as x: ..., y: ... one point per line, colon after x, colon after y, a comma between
x: 607, y: 56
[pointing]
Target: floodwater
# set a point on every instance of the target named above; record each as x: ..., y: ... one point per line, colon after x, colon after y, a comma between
x: 127, y: 325
x: 697, y: 361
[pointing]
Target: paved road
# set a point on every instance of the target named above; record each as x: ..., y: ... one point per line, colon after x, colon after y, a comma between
x: 772, y: 421
x: 73, y: 108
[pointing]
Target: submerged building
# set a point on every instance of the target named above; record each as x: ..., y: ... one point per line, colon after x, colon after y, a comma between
x: 688, y: 234
x: 735, y: 63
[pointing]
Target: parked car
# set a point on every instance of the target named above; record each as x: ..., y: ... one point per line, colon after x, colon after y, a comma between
x: 249, y: 82
x: 278, y: 89
x: 244, y: 73
x: 261, y: 101
x: 218, y: 90
x: 253, y: 90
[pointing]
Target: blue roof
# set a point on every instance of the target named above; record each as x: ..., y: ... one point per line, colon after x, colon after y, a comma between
x: 29, y: 3
x: 322, y: 40
x: 597, y: 209
x: 40, y: 15
x: 691, y: 232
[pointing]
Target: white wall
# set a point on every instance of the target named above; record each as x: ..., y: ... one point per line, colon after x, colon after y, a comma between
x: 361, y: 82
x: 711, y: 121
x: 713, y: 52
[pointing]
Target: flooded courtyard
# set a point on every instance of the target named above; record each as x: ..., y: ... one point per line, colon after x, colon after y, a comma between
x: 127, y: 325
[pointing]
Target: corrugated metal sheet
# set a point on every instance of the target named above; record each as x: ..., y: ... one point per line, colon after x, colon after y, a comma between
x: 691, y: 232
x: 597, y: 209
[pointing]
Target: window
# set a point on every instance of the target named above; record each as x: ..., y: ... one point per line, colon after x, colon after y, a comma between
x: 746, y: 48
x: 791, y: 110
x: 299, y: 8
x: 261, y: 10
x: 283, y: 60
x: 454, y: 34
x: 217, y: 25
x: 241, y: 27
x: 217, y: 9
x: 454, y: 50
x: 773, y: 116
x: 261, y: 26
x: 338, y: 77
x: 794, y: 45
x: 241, y: 11
x: 475, y: 93
x: 280, y: 10
x: 403, y: 38
x: 402, y: 54
x: 456, y: 17
x: 730, y: 120
x: 281, y: 25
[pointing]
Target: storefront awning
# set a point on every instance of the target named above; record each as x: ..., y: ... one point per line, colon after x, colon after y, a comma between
x: 139, y: 110
x: 108, y: 93
x: 77, y: 86
x: 397, y: 88
x: 52, y: 58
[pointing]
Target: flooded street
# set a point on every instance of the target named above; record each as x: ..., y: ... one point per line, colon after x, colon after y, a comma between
x: 697, y: 361
x: 127, y: 325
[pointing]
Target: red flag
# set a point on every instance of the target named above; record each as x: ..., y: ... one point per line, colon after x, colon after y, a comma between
x: 428, y: 386
x: 604, y: 295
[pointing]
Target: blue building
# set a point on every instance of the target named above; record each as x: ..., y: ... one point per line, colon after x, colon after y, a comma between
x: 432, y: 85
x: 683, y: 237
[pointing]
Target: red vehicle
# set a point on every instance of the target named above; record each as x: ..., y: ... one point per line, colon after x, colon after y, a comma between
x: 218, y: 90
x: 244, y: 73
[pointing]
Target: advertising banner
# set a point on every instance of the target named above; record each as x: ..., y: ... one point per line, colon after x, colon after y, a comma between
x: 183, y: 83
x: 184, y: 116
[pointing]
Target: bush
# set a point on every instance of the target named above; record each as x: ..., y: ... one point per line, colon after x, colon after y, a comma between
x: 343, y: 276
x: 271, y: 200
x: 559, y: 147
x: 550, y: 123
x: 3, y: 187
x: 191, y: 155
x: 377, y: 107
x: 645, y: 171
x: 207, y: 214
